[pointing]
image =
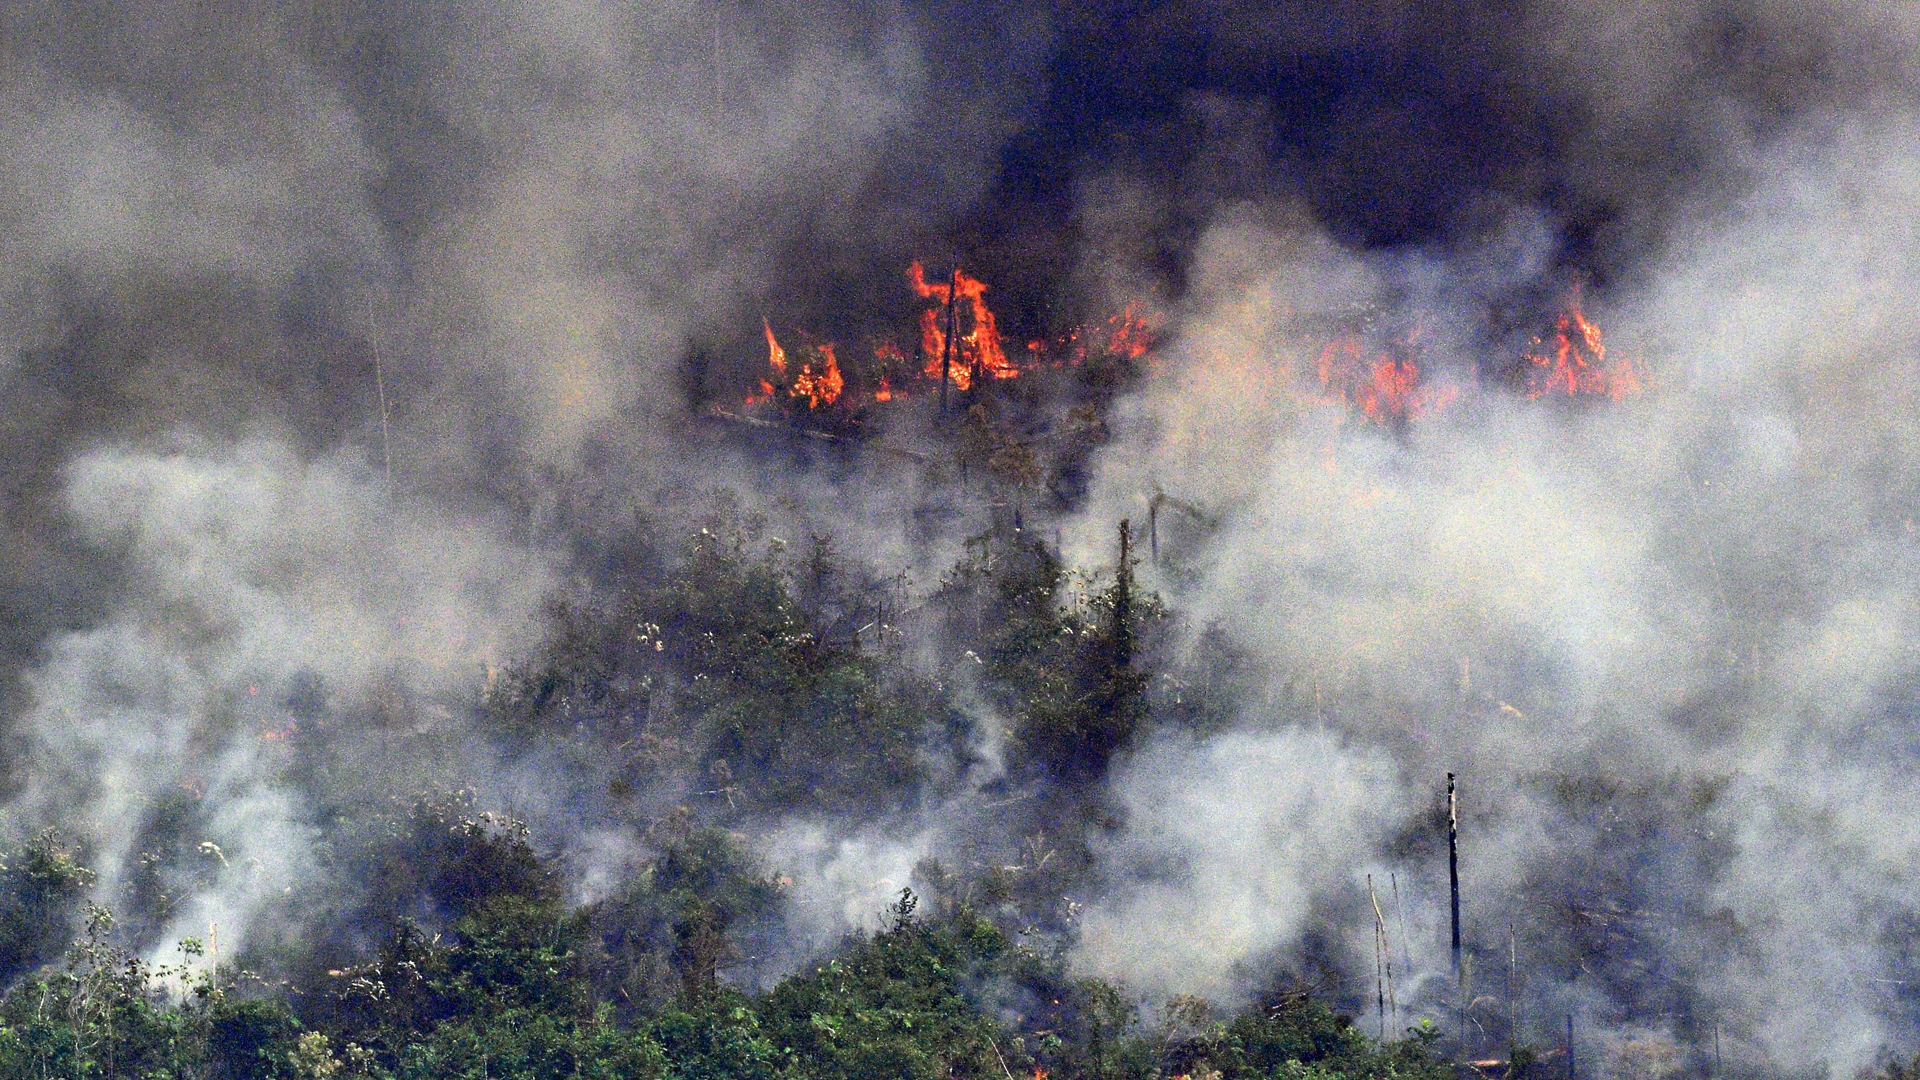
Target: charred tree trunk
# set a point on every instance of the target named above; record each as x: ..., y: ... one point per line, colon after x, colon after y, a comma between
x: 946, y: 348
x: 1453, y: 892
x: 1123, y: 599
x: 1453, y: 867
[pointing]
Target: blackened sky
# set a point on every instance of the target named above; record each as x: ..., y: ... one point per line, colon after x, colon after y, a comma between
x: 1420, y: 124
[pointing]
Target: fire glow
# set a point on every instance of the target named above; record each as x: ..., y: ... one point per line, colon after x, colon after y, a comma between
x: 1575, y: 364
x: 1385, y: 389
x: 817, y: 383
x: 1128, y: 333
x: 1570, y: 362
x: 975, y: 356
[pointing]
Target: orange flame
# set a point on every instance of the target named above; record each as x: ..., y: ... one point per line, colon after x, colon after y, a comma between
x: 979, y: 350
x: 776, y: 360
x: 1576, y: 365
x: 821, y: 387
x: 1128, y: 333
x: 818, y: 382
x: 933, y: 339
x: 1384, y: 389
x: 776, y: 356
x: 1039, y: 1072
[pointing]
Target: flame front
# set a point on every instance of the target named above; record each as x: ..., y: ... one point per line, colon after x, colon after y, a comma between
x: 1576, y: 365
x: 979, y: 352
x: 1385, y: 388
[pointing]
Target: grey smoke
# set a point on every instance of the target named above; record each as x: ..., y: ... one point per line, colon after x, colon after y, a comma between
x: 228, y: 231
x: 1704, y: 587
x: 248, y: 571
x: 221, y: 243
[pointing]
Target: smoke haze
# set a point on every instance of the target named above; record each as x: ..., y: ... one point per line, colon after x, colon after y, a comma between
x: 336, y: 339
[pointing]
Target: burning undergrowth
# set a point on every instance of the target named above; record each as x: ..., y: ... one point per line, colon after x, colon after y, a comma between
x: 1593, y: 592
x: 961, y: 354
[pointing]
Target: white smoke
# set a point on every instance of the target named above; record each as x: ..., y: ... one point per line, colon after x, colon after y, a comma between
x: 245, y: 570
x: 228, y: 220
x: 314, y: 320
x: 1709, y: 583
x: 1232, y: 841
x: 842, y: 882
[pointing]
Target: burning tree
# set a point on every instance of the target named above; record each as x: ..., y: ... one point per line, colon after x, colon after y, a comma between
x: 967, y: 355
x: 1574, y: 363
x: 960, y: 345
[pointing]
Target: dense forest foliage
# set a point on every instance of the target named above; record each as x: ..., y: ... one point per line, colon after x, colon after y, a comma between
x: 749, y: 679
x: 520, y: 985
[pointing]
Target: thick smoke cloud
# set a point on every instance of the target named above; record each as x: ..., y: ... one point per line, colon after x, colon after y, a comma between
x: 318, y: 323
x: 252, y: 580
x: 317, y: 315
x: 1701, y: 595
x: 1249, y: 848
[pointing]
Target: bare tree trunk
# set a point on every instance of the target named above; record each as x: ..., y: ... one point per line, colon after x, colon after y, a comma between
x: 946, y: 350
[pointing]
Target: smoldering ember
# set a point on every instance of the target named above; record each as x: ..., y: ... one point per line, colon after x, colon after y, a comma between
x: 1097, y: 541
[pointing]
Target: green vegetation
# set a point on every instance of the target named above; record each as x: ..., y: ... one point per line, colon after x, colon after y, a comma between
x: 760, y: 680
x: 739, y: 664
x: 40, y: 886
x: 509, y: 994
